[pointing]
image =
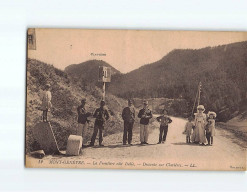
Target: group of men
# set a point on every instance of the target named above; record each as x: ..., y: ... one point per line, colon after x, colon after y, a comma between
x: 128, y: 116
x: 101, y: 115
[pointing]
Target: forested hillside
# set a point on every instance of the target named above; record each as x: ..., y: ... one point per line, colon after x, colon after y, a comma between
x: 222, y: 71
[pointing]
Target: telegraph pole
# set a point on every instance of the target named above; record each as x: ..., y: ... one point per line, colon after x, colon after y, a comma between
x: 198, y: 97
x: 199, y: 93
x: 104, y: 91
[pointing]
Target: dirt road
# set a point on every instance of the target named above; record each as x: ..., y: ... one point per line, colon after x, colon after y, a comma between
x: 227, y: 153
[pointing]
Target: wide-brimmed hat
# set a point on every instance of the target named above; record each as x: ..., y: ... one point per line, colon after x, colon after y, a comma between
x: 212, y: 113
x: 145, y: 102
x: 201, y: 107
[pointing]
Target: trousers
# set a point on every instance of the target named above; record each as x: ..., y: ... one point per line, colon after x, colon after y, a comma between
x: 97, y: 128
x: 163, y: 133
x: 127, y: 135
x: 144, y: 133
x: 82, y: 129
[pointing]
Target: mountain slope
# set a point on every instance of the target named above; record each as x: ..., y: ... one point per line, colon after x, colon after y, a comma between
x: 66, y: 96
x: 87, y: 72
x: 222, y: 71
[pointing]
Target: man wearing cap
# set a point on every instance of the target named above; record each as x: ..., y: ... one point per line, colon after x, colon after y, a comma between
x: 128, y: 116
x: 145, y: 115
x: 82, y: 120
x: 102, y: 115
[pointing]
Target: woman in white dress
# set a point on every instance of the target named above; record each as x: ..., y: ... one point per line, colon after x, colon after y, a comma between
x: 200, y: 122
x: 46, y: 102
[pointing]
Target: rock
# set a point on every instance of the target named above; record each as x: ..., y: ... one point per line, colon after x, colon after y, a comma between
x: 74, y: 145
x: 38, y: 154
x: 44, y: 135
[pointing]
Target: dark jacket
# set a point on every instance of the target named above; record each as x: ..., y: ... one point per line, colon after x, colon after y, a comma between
x: 82, y: 115
x: 164, y: 120
x: 128, y: 114
x: 145, y: 115
x: 101, y: 115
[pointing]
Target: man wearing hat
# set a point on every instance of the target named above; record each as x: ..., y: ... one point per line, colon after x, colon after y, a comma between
x: 128, y: 116
x: 102, y: 115
x: 145, y: 115
x: 82, y: 121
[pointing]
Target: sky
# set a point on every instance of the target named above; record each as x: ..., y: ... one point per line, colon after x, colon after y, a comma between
x: 125, y: 50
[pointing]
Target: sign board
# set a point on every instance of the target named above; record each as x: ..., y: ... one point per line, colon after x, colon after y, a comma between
x: 104, y: 74
x: 31, y: 39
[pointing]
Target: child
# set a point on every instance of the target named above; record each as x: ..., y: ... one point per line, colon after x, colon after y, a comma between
x: 46, y: 102
x: 210, y: 127
x: 164, y: 121
x: 188, y: 129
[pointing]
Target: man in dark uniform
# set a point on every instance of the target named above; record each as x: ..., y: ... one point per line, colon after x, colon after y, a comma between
x: 102, y: 115
x: 128, y: 116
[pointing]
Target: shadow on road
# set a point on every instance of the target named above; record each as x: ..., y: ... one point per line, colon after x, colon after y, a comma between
x: 183, y: 143
x: 123, y: 146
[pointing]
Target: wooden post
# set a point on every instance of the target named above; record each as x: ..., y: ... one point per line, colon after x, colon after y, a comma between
x: 103, y: 91
x: 152, y: 104
x: 199, y: 93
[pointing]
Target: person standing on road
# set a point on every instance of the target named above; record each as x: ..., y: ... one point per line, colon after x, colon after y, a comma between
x: 128, y: 116
x: 210, y: 130
x: 200, y: 123
x: 164, y: 120
x: 188, y: 129
x: 82, y: 121
x: 145, y: 115
x: 102, y: 115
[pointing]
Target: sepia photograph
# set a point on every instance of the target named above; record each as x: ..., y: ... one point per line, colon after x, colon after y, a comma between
x: 136, y: 99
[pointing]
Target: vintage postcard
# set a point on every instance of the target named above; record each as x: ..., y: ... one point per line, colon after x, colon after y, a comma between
x: 136, y: 99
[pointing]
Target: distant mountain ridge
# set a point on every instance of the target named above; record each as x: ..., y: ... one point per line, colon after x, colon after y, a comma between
x: 87, y: 72
x: 221, y: 69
